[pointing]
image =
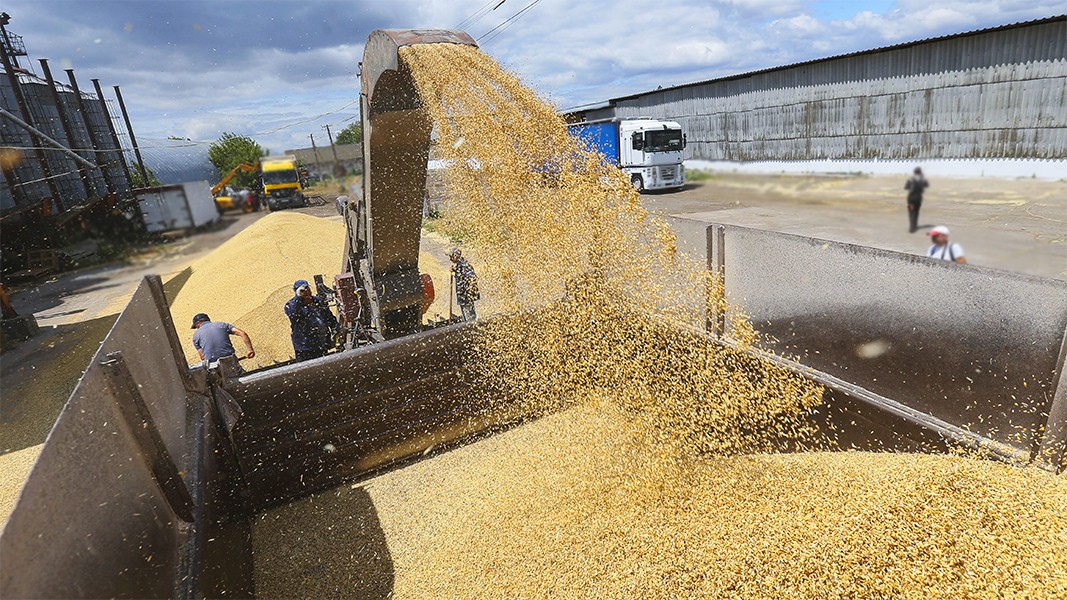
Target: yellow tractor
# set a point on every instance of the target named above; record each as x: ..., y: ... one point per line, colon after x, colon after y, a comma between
x: 226, y: 198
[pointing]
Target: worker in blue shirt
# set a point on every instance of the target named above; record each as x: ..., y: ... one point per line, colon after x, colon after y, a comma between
x: 312, y: 321
x: 212, y: 339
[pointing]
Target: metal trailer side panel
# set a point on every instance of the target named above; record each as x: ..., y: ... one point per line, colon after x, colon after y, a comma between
x: 971, y: 346
x: 602, y: 137
x: 95, y: 518
x: 201, y: 205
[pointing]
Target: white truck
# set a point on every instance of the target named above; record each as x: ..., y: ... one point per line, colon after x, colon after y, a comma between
x: 649, y: 150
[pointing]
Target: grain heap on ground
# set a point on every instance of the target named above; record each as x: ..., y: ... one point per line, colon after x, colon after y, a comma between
x: 643, y: 479
x: 248, y: 280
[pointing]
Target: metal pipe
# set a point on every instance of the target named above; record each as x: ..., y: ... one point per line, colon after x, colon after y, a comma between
x: 101, y: 162
x: 45, y: 138
x: 64, y: 119
x: 133, y: 140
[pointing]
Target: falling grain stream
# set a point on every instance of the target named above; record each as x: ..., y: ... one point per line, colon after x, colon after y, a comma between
x: 657, y: 470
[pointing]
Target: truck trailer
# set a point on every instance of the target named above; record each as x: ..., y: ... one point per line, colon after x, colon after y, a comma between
x: 649, y: 150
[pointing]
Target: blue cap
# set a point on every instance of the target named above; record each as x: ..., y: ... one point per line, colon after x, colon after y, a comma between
x: 299, y: 283
x: 199, y: 318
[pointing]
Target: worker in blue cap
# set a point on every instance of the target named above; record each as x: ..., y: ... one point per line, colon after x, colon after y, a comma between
x: 312, y: 321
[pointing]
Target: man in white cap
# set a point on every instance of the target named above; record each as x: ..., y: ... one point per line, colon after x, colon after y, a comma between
x: 944, y: 249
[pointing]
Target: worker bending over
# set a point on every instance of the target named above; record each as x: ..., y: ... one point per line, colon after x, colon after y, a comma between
x: 212, y: 339
x: 312, y: 321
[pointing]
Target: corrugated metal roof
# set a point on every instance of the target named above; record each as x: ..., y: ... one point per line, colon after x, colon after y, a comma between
x: 175, y: 161
x: 1021, y: 25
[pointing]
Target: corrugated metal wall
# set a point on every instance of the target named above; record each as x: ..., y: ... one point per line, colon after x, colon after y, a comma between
x: 998, y: 93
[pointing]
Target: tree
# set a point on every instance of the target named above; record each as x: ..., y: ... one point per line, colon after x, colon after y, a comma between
x: 136, y: 179
x: 353, y: 134
x: 231, y: 150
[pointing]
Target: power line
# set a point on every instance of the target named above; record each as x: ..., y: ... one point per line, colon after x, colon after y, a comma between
x: 481, y: 12
x: 507, y: 23
x: 189, y: 143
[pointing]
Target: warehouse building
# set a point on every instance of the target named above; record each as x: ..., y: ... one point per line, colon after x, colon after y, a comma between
x: 998, y: 93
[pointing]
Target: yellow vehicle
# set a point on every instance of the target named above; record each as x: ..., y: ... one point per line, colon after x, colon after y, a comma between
x: 281, y: 182
x: 231, y: 199
x: 228, y: 199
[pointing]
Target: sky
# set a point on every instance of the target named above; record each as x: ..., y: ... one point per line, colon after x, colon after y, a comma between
x: 280, y: 71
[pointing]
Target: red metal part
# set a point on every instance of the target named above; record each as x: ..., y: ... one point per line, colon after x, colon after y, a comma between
x: 427, y: 291
x: 344, y: 286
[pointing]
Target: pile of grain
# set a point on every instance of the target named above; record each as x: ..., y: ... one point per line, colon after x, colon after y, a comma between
x: 248, y: 280
x: 574, y: 505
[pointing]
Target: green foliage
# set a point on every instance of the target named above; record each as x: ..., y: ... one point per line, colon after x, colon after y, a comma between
x: 698, y: 175
x: 137, y: 181
x: 353, y: 134
x: 231, y: 150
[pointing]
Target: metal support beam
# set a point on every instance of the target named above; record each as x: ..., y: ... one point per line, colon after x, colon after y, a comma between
x: 111, y: 129
x: 20, y: 99
x: 64, y: 119
x: 33, y: 130
x: 101, y: 162
x: 133, y: 140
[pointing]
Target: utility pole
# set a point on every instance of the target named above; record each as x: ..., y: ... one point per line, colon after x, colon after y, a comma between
x: 336, y: 163
x: 315, y: 150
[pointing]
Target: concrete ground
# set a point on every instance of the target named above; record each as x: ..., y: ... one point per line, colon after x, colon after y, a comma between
x: 1012, y: 224
x: 1018, y: 225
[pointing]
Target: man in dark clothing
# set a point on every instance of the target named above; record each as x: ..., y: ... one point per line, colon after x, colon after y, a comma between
x: 915, y: 186
x: 212, y: 339
x: 466, y: 284
x: 312, y: 321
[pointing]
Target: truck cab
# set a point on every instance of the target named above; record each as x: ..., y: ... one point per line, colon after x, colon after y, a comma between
x: 651, y: 152
x: 281, y: 183
x: 648, y: 150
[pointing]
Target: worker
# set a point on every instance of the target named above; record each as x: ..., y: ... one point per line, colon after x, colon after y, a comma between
x: 915, y: 185
x: 942, y: 248
x: 342, y: 203
x: 312, y: 321
x: 212, y: 339
x: 466, y: 284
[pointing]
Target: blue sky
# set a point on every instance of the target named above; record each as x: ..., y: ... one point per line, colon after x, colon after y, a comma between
x: 281, y: 70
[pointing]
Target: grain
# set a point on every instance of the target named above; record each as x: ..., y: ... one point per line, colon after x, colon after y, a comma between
x: 575, y: 506
x: 654, y: 470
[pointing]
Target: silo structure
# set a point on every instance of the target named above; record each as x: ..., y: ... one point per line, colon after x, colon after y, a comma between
x: 24, y: 166
x: 46, y: 118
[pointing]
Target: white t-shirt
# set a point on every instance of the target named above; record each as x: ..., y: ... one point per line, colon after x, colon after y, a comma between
x: 949, y: 252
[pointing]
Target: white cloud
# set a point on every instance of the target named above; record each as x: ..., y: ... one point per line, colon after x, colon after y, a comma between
x: 196, y: 69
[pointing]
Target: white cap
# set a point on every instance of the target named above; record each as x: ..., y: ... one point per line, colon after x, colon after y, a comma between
x: 939, y: 230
